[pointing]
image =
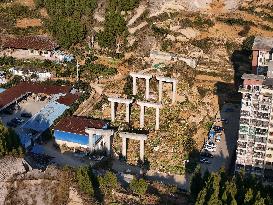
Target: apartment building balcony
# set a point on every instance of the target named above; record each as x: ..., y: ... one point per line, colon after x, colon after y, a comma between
x: 259, y: 147
x: 242, y: 137
x: 240, y: 152
x: 245, y: 113
x: 244, y: 121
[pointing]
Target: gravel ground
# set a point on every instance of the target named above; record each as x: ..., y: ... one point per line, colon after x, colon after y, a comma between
x: 8, y: 167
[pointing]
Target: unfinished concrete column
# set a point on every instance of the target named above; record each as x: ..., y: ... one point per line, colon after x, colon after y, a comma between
x: 134, y: 136
x: 141, y: 152
x: 127, y: 102
x: 147, y: 83
x: 147, y: 90
x: 127, y: 112
x: 124, y: 147
x: 107, y: 140
x: 160, y: 90
x: 113, y: 111
x: 106, y: 137
x: 142, y: 113
x: 134, y: 85
x: 157, y: 119
x: 160, y: 87
x: 174, y: 91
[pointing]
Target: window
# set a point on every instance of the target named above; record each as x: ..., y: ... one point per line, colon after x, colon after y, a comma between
x: 269, y: 155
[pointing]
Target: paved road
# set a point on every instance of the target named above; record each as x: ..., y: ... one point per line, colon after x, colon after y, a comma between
x: 225, y: 148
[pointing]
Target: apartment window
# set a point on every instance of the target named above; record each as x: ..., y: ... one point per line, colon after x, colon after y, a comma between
x: 269, y: 155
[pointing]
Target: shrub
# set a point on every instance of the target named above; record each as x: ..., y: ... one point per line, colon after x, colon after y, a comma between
x: 248, y: 43
x: 84, y: 178
x: 108, y: 182
x: 139, y: 187
x: 128, y: 86
x: 159, y: 31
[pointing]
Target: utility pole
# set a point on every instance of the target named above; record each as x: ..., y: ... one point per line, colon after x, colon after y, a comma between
x: 78, y: 65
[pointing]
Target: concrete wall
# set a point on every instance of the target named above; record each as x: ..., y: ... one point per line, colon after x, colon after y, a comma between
x: 71, y: 138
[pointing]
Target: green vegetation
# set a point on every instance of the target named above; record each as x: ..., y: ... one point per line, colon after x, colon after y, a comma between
x: 9, y: 142
x: 96, y: 70
x: 128, y: 86
x: 248, y: 43
x: 205, y: 44
x: 114, y: 28
x: 159, y: 31
x: 69, y: 19
x: 108, y: 182
x: 198, y: 21
x: 139, y: 187
x: 235, y: 21
x: 84, y: 176
x: 219, y: 188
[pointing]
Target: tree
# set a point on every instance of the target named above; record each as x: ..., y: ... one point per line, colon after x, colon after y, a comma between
x: 248, y: 197
x: 108, y: 182
x: 139, y: 186
x: 9, y: 142
x: 84, y: 178
x: 196, y: 182
x: 201, y: 197
x: 248, y: 43
x: 114, y: 26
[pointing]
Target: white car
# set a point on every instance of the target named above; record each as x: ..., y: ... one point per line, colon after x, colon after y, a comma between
x: 210, y: 149
x: 210, y: 144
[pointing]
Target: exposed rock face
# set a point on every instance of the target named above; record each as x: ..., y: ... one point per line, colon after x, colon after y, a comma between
x: 160, y: 6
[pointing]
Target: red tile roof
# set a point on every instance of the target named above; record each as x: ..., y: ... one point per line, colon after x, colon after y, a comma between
x: 68, y: 99
x: 77, y: 124
x: 29, y: 42
x: 13, y: 93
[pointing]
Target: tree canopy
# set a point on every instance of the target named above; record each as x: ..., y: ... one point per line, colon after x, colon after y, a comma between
x: 219, y: 188
x: 9, y: 142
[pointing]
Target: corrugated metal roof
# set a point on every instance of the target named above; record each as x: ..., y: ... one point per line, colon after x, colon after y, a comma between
x: 263, y: 43
x: 29, y: 42
x: 13, y: 93
x: 77, y: 124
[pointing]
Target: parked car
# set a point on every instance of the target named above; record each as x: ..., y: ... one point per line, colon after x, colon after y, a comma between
x: 204, y: 160
x: 206, y: 154
x: 218, y: 138
x: 222, y: 120
x: 218, y: 129
x: 209, y: 149
x: 26, y: 115
x: 17, y: 121
x: 210, y: 144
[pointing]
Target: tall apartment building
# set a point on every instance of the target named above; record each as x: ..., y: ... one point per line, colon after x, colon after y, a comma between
x: 262, y: 50
x: 255, y: 140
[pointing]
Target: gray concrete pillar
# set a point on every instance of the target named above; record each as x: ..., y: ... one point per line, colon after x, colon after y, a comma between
x: 113, y: 111
x: 91, y: 141
x: 157, y: 119
x: 142, y: 113
x: 134, y: 86
x: 128, y: 112
x: 124, y: 146
x: 147, y: 91
x: 160, y: 87
x: 141, y: 153
x: 174, y: 92
x: 107, y: 140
